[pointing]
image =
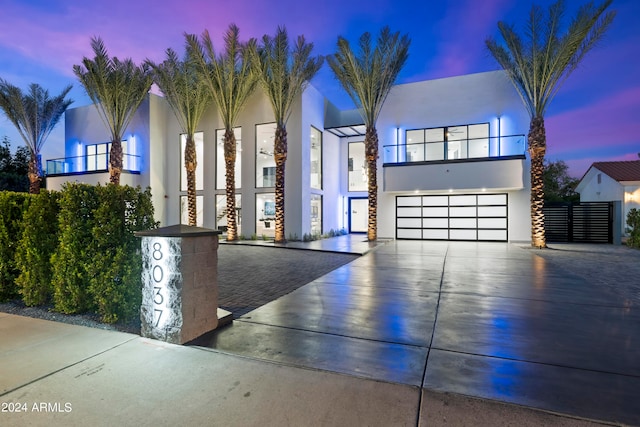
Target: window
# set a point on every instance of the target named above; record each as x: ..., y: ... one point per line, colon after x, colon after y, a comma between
x: 447, y: 143
x: 184, y: 210
x: 199, y: 141
x: 265, y: 214
x: 358, y: 178
x: 265, y: 162
x: 316, y: 158
x: 97, y: 157
x: 316, y: 214
x: 221, y: 168
x: 221, y: 212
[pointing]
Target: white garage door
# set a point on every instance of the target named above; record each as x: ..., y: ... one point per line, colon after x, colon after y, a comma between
x: 452, y: 217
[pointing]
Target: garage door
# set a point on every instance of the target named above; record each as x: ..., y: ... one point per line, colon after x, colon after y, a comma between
x: 452, y: 217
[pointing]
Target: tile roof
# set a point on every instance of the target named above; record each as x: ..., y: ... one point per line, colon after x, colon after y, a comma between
x: 620, y: 171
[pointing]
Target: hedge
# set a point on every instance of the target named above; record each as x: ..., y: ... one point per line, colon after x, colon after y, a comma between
x: 38, y: 242
x: 11, y: 211
x: 75, y: 248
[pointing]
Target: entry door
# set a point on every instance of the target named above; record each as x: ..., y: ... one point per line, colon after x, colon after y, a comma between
x: 358, y: 215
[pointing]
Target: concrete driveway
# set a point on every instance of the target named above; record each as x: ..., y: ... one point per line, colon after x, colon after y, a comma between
x: 555, y: 329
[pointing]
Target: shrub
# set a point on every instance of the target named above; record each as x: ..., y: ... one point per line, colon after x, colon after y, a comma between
x: 75, y: 250
x: 11, y: 211
x: 116, y: 267
x: 633, y: 221
x: 38, y: 243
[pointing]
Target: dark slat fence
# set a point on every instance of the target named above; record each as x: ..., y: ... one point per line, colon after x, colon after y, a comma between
x: 584, y: 222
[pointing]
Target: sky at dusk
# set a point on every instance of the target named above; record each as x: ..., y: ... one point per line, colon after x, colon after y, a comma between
x: 594, y: 117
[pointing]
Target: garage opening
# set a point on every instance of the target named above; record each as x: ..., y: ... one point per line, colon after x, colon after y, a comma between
x: 474, y: 217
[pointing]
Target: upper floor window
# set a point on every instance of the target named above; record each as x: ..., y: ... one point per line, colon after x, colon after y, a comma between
x: 97, y: 157
x: 357, y: 167
x: 265, y: 162
x: 316, y: 158
x: 447, y: 143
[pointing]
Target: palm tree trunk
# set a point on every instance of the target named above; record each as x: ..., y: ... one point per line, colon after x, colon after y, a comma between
x: 115, y: 161
x: 190, y: 164
x: 537, y: 148
x: 371, y: 153
x: 280, y: 156
x: 34, y: 175
x: 230, y: 165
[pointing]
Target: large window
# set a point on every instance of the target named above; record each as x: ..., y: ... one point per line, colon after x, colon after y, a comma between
x: 265, y: 162
x: 265, y: 214
x: 97, y: 157
x: 447, y: 143
x: 316, y: 158
x: 199, y: 141
x: 316, y: 214
x: 221, y: 212
x: 358, y: 178
x: 221, y: 167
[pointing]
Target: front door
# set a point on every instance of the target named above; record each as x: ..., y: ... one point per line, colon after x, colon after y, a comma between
x: 358, y: 214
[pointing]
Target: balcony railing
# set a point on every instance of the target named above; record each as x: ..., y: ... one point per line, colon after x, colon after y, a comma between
x: 89, y: 164
x: 453, y: 150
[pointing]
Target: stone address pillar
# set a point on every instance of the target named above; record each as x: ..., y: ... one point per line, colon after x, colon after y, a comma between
x: 180, y: 283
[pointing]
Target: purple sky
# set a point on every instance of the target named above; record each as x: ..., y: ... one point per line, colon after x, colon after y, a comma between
x: 594, y: 117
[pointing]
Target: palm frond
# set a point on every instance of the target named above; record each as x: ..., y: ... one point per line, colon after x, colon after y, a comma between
x: 369, y: 74
x: 284, y: 71
x: 183, y: 87
x: 34, y: 113
x: 116, y: 87
x: 538, y: 67
x: 229, y: 75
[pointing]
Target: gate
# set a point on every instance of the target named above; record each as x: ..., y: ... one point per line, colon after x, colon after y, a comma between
x: 583, y: 222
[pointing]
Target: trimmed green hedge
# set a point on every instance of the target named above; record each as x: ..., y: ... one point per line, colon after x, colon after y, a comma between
x: 116, y: 269
x: 11, y: 211
x: 75, y: 248
x: 38, y: 242
x: 74, y: 254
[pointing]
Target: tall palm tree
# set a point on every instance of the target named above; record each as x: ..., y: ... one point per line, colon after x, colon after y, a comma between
x: 35, y: 114
x: 284, y: 73
x: 188, y: 95
x: 117, y: 88
x: 231, y: 80
x: 537, y: 66
x: 368, y: 76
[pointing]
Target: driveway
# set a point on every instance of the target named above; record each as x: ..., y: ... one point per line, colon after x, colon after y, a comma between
x: 553, y: 329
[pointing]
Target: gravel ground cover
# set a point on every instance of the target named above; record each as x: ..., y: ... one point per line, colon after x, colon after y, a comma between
x: 248, y: 277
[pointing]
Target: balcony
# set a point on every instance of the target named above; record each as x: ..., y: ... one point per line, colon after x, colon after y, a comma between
x: 481, y: 164
x: 455, y: 150
x: 90, y: 163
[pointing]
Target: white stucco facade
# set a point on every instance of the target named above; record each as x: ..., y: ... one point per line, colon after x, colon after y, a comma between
x: 482, y: 154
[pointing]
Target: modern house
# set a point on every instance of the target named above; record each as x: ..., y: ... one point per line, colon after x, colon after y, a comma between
x: 452, y: 163
x: 613, y: 182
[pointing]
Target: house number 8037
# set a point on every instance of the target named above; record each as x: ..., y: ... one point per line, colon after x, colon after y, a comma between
x: 157, y: 274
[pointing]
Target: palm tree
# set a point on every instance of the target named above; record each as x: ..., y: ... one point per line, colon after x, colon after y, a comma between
x: 117, y: 88
x: 284, y: 74
x: 34, y: 114
x: 189, y: 97
x: 537, y: 66
x: 368, y: 77
x: 231, y: 80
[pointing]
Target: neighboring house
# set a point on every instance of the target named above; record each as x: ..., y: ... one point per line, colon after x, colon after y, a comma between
x: 613, y: 182
x: 452, y: 163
